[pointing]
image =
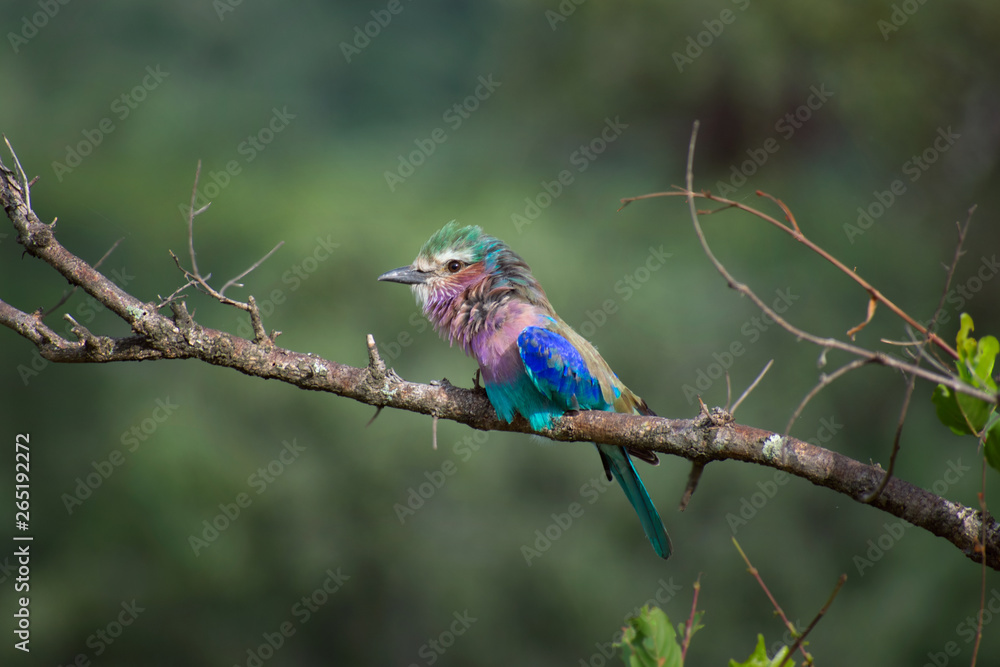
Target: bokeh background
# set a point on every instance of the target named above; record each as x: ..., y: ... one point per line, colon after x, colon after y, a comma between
x: 297, y: 116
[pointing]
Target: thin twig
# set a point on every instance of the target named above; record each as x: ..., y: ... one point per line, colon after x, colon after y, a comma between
x: 795, y: 233
x: 173, y: 296
x: 824, y: 380
x: 260, y: 261
x: 190, y: 219
x: 777, y: 607
x: 897, y: 440
x: 826, y: 343
x: 746, y: 392
x: 799, y: 641
x: 24, y: 176
x: 922, y: 354
x: 689, y: 627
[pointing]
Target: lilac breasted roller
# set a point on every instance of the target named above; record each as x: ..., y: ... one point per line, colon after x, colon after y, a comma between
x: 479, y: 293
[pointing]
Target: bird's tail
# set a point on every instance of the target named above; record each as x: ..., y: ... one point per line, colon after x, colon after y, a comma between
x: 617, y: 463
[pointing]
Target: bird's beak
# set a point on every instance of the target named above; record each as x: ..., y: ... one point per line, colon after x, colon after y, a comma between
x: 406, y: 275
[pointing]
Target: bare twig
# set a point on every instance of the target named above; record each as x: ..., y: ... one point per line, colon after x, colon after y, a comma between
x: 232, y: 282
x: 190, y: 219
x: 824, y: 380
x: 26, y: 189
x: 797, y: 234
x: 825, y: 343
x: 746, y: 392
x: 195, y: 276
x: 777, y: 607
x: 801, y: 638
x: 982, y: 585
x: 923, y: 354
x: 689, y: 626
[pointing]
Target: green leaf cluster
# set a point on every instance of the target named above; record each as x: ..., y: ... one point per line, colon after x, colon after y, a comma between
x: 759, y: 657
x: 968, y: 415
x: 649, y: 640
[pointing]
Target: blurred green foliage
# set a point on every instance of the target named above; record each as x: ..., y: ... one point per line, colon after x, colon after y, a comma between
x: 295, y: 144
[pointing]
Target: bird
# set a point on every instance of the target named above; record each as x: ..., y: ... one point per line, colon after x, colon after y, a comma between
x: 477, y: 292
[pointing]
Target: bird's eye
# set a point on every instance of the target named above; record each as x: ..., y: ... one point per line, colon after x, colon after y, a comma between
x: 454, y: 266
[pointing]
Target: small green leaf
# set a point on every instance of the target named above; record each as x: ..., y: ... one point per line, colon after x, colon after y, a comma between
x: 759, y: 657
x: 949, y: 412
x: 991, y: 447
x: 962, y: 413
x: 649, y: 640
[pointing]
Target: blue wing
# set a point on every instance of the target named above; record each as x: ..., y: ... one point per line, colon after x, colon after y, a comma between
x: 558, y: 370
x: 560, y: 373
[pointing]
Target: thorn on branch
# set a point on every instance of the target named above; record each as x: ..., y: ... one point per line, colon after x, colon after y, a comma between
x: 693, y: 478
x: 182, y: 318
x: 82, y: 332
x: 378, y: 411
x: 259, y: 334
x: 376, y: 367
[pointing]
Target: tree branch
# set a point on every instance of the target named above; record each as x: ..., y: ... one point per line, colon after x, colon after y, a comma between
x: 711, y: 437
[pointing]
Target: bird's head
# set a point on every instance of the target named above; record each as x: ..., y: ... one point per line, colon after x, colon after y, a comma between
x: 458, y: 264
